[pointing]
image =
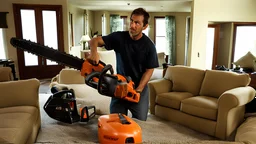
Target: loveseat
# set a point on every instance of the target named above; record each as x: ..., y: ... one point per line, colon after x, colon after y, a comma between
x: 209, y: 101
x: 20, y: 118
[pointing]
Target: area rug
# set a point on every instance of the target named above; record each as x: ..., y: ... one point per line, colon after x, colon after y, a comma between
x: 154, y: 130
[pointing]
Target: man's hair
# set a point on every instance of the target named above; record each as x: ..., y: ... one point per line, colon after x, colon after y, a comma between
x: 141, y: 11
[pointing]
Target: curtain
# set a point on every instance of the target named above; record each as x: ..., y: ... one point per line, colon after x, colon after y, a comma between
x: 171, y: 39
x: 115, y: 23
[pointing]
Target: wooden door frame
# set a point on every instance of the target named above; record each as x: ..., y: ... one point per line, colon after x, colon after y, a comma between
x: 216, y: 43
x: 39, y: 31
x: 155, y: 26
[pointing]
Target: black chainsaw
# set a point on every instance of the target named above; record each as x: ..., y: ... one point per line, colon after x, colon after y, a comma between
x: 118, y: 86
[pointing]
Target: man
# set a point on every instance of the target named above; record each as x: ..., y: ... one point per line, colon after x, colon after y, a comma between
x: 135, y: 56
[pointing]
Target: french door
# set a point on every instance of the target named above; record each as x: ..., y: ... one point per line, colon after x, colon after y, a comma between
x: 41, y: 24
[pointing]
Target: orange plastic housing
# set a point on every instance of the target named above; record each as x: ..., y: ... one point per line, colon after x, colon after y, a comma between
x: 112, y: 131
x: 126, y: 90
x: 88, y: 68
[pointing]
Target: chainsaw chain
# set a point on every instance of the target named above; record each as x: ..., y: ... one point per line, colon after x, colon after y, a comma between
x: 61, y: 58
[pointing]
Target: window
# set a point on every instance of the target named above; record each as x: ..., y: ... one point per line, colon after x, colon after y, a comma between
x: 2, y: 50
x: 146, y: 31
x: 245, y: 41
x: 118, y: 23
x: 103, y: 19
x: 124, y: 23
x: 160, y: 34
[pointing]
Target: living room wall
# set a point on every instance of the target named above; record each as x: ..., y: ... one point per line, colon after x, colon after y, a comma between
x: 6, y: 6
x: 225, y: 44
x: 180, y: 27
x: 78, y: 23
x: 204, y: 11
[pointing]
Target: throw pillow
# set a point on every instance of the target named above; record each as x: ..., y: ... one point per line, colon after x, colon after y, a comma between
x: 246, y: 61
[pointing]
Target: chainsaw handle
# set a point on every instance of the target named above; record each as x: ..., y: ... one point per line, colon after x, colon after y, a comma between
x: 103, y: 72
x: 92, y: 79
x: 60, y: 93
x: 88, y: 67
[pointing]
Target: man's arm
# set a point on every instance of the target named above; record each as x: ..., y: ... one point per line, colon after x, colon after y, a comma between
x: 144, y: 80
x: 94, y: 43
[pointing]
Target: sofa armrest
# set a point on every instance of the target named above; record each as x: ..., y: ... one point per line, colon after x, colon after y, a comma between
x: 156, y: 87
x: 19, y: 93
x: 236, y: 97
x: 231, y: 109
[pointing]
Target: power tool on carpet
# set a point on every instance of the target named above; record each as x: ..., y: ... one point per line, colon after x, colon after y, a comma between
x: 110, y: 85
x: 62, y: 106
x: 118, y: 129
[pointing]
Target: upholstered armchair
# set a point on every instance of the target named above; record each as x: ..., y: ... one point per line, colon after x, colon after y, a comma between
x: 19, y: 111
x: 5, y: 74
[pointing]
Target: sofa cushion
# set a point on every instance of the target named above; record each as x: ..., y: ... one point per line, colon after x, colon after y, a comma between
x: 70, y: 76
x: 246, y: 61
x: 217, y: 82
x: 172, y: 99
x: 16, y: 123
x: 185, y: 79
x: 246, y: 131
x: 201, y: 106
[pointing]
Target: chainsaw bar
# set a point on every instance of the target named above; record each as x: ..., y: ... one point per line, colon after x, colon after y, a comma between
x: 48, y: 53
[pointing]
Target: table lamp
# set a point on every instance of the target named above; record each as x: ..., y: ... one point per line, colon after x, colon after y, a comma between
x: 84, y: 40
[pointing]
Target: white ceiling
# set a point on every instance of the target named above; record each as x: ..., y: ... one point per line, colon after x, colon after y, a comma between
x: 129, y: 5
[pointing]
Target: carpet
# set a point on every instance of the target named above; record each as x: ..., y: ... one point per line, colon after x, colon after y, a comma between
x: 154, y: 130
x: 44, y: 86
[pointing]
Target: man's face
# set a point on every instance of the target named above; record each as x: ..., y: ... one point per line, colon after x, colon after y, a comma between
x: 136, y: 25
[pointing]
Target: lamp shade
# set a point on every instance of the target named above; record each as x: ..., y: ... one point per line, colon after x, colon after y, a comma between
x: 85, y: 38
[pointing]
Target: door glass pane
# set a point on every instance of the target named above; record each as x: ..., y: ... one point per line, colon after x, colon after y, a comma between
x: 245, y: 41
x: 160, y: 35
x: 160, y: 44
x: 160, y: 27
x: 50, y: 31
x: 209, y: 48
x: 29, y: 33
x: 2, y: 51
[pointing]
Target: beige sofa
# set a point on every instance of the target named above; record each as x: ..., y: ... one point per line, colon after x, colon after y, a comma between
x: 209, y: 101
x: 20, y: 118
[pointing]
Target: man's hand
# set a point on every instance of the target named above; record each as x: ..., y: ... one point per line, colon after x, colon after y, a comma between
x: 144, y: 80
x: 94, y: 58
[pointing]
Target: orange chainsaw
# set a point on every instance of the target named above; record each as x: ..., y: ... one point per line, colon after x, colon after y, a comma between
x: 95, y: 75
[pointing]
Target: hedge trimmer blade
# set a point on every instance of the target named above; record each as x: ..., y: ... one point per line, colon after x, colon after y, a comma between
x: 48, y: 53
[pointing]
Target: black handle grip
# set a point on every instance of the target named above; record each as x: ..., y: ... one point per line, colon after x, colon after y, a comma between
x: 123, y: 119
x: 89, y: 79
x: 103, y: 72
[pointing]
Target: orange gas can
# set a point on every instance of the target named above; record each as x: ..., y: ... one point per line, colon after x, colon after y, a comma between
x: 118, y: 129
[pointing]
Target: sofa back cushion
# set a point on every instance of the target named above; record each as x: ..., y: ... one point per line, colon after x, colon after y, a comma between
x: 70, y: 76
x: 185, y: 79
x: 108, y: 57
x: 217, y: 82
